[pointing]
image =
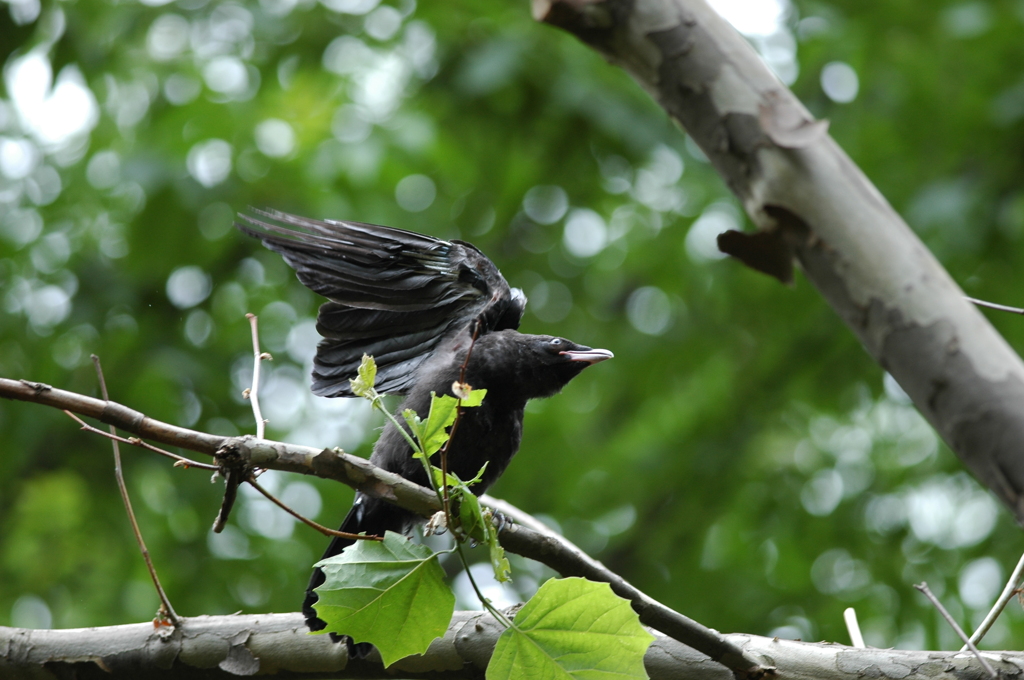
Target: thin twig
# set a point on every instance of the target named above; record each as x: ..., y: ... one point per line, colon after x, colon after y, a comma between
x: 252, y: 394
x: 853, y: 628
x: 455, y: 426
x: 305, y: 520
x: 165, y: 602
x: 992, y: 305
x: 1004, y: 598
x: 469, y: 352
x: 234, y: 476
x: 180, y: 461
x: 488, y: 605
x: 923, y: 587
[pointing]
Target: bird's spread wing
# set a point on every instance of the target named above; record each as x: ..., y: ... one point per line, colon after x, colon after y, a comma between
x: 393, y: 294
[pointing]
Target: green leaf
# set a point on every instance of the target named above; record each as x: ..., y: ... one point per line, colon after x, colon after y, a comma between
x: 474, y: 398
x: 435, y: 429
x: 471, y: 515
x: 362, y: 385
x: 479, y: 475
x: 441, y: 416
x: 475, y: 521
x: 496, y: 553
x: 439, y: 478
x: 391, y: 594
x: 572, y: 628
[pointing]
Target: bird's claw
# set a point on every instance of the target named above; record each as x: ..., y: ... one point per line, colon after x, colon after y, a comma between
x: 501, y: 521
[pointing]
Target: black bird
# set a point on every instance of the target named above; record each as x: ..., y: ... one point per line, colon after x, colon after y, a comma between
x: 414, y: 303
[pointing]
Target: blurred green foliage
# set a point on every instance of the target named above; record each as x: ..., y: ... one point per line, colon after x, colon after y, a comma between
x: 741, y: 459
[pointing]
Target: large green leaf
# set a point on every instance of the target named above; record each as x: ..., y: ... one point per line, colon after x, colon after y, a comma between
x: 572, y: 628
x: 391, y: 594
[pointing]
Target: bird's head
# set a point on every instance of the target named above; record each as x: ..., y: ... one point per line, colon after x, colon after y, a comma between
x: 549, y: 363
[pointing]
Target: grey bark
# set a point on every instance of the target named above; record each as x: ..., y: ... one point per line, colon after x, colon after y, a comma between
x: 278, y: 646
x: 812, y: 203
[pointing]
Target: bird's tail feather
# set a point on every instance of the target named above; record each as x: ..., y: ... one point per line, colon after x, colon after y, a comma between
x: 368, y: 515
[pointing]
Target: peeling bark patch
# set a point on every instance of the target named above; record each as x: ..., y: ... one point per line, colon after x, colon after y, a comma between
x: 682, y: 42
x: 854, y: 662
x: 594, y: 22
x: 691, y: 64
x: 769, y: 251
x: 675, y: 42
x: 745, y: 135
x: 240, y: 660
x: 763, y: 251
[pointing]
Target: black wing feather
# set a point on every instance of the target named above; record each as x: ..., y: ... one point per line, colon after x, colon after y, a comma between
x: 394, y: 294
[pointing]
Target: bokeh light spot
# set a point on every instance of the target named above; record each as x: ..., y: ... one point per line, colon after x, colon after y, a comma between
x: 103, y: 170
x: 586, y: 233
x: 188, y: 286
x: 415, y: 193
x: 702, y: 239
x: 383, y: 23
x: 545, y: 204
x: 18, y: 157
x: 209, y: 162
x: 649, y: 310
x: 167, y: 37
x: 752, y: 17
x: 839, y: 82
x: 275, y: 138
x: 980, y: 582
x: 226, y: 74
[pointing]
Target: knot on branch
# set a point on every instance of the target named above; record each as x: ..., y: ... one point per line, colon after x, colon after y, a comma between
x: 233, y: 460
x: 36, y: 387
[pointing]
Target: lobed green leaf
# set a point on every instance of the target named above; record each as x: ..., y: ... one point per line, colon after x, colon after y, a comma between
x: 390, y: 593
x: 572, y: 628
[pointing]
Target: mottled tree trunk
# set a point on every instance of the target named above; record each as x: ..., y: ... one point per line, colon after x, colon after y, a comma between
x: 813, y: 204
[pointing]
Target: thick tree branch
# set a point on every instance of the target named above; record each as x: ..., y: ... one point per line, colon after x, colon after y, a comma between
x: 813, y: 203
x: 556, y: 551
x: 547, y: 548
x: 278, y: 646
x: 354, y: 471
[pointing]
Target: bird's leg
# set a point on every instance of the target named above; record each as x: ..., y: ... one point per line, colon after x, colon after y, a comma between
x: 501, y: 521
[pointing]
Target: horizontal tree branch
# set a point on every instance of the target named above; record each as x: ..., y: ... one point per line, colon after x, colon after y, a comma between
x: 547, y: 548
x: 278, y: 646
x: 812, y: 203
x: 334, y: 464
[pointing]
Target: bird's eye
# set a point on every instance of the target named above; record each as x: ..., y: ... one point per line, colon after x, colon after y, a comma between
x: 557, y: 341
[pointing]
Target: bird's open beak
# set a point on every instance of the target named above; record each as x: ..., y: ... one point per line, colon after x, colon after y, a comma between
x: 590, y: 356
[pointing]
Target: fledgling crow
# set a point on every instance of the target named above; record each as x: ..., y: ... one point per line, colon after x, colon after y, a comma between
x: 414, y: 302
